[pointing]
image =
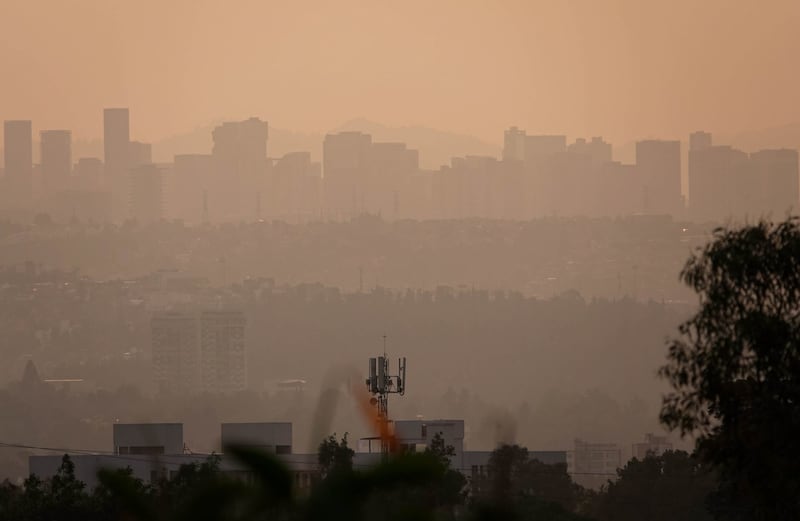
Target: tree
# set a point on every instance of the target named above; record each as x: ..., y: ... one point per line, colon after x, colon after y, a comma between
x: 517, y: 485
x: 735, y: 369
x: 335, y: 456
x: 449, y: 487
x: 658, y: 488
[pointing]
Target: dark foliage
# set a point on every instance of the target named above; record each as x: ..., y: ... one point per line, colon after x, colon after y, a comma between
x: 658, y: 488
x: 735, y: 370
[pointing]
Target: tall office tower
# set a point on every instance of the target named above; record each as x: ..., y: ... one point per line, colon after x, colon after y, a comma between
x: 146, y: 193
x: 191, y: 179
x: 18, y: 150
x: 565, y: 185
x: 721, y: 184
x: 116, y: 148
x: 698, y: 141
x: 514, y: 144
x: 539, y: 149
x: 776, y: 173
x: 88, y: 174
x: 222, y: 351
x: 295, y: 190
x: 176, y: 352
x: 116, y: 141
x: 597, y: 150
x: 390, y: 170
x: 56, y: 159
x: 659, y: 163
x: 345, y: 170
x: 620, y: 190
x: 139, y: 154
x: 240, y: 166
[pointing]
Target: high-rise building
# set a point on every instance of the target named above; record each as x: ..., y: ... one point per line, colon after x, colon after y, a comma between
x: 56, y: 159
x: 659, y: 163
x: 18, y: 151
x: 295, y: 188
x: 699, y: 140
x: 222, y: 350
x: 390, y: 169
x: 240, y: 166
x: 116, y: 148
x: 597, y: 150
x: 139, y: 154
x: 619, y: 191
x: 176, y: 352
x: 191, y: 182
x: 776, y: 172
x: 146, y: 193
x: 564, y: 184
x: 88, y: 173
x: 199, y: 352
x: 514, y: 144
x: 541, y: 148
x: 721, y: 182
x: 345, y: 160
x: 116, y: 141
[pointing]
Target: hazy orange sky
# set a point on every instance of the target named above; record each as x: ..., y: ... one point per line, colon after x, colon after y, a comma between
x: 620, y: 68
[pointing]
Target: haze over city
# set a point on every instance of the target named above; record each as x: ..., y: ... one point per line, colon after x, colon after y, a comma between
x: 548, y: 248
x: 622, y: 69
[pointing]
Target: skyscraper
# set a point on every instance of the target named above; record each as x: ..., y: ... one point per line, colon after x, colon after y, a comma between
x: 776, y: 172
x: 345, y: 158
x: 190, y: 184
x: 390, y: 167
x: 139, y: 154
x: 116, y: 141
x: 597, y: 150
x: 659, y: 163
x: 699, y: 140
x: 18, y: 150
x: 514, y: 144
x: 88, y: 173
x: 721, y: 184
x: 116, y: 148
x: 146, y: 193
x: 240, y: 165
x: 295, y: 187
x: 56, y: 157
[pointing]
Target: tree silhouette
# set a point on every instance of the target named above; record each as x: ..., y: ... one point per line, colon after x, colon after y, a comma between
x: 658, y: 488
x: 335, y: 456
x: 735, y: 369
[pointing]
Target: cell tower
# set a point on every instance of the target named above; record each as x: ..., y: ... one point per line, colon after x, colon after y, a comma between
x: 381, y: 384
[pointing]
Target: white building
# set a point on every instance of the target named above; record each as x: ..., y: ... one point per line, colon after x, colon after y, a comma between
x: 223, y: 366
x: 652, y: 445
x: 155, y: 451
x: 148, y: 438
x: 274, y: 437
x: 591, y: 465
x: 203, y: 352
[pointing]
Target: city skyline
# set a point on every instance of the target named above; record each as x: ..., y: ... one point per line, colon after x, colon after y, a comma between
x: 534, y: 176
